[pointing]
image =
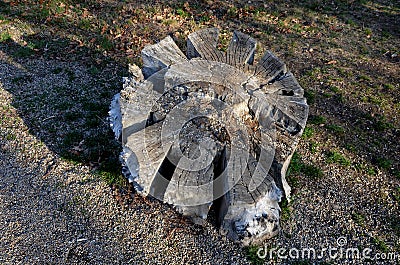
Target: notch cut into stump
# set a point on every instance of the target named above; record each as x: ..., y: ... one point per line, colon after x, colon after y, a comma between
x: 212, y: 128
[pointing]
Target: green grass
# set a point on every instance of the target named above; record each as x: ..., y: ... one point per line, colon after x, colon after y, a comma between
x: 10, y: 136
x: 105, y: 43
x: 339, y: 130
x: 308, y: 132
x: 381, y: 124
x: 358, y: 218
x: 334, y: 89
x: 111, y: 178
x: 23, y: 52
x: 285, y: 210
x: 365, y: 77
x: 368, y: 31
x: 182, y: 13
x: 5, y: 36
x: 396, y: 194
x: 388, y: 86
x: 382, y: 246
x: 367, y: 169
x: 84, y: 23
x: 310, y: 96
x: 317, y: 120
x: 232, y: 12
x: 297, y: 166
x: 337, y: 158
x: 384, y: 163
x: 251, y: 254
x: 313, y: 147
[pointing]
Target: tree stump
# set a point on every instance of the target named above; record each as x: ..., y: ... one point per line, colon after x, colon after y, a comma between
x: 212, y: 128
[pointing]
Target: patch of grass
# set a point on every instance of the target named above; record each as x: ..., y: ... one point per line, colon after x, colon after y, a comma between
x: 44, y: 13
x: 10, y: 136
x: 327, y: 95
x: 334, y: 89
x: 308, y: 132
x: 313, y: 147
x: 23, y: 52
x: 335, y: 129
x: 111, y: 177
x: 368, y: 31
x: 396, y: 194
x: 351, y: 22
x: 312, y: 171
x: 359, y: 218
x: 105, y: 43
x: 317, y: 120
x: 371, y: 171
x: 380, y: 124
x: 293, y: 181
x: 365, y: 77
x: 5, y: 36
x: 351, y: 148
x: 337, y: 158
x: 388, y: 86
x: 251, y: 254
x: 84, y: 23
x: 310, y: 96
x: 232, y: 12
x: 204, y: 18
x: 375, y: 100
x: 384, y: 163
x: 297, y: 166
x: 182, y: 13
x: 382, y: 246
x: 285, y: 210
x: 314, y: 73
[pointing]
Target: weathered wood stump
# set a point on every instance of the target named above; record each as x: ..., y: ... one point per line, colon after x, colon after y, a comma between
x: 212, y: 128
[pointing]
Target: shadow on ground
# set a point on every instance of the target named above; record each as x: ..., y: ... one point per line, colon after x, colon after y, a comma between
x: 65, y: 102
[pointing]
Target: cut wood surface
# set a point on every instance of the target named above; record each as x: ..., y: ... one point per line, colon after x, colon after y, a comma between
x: 213, y: 128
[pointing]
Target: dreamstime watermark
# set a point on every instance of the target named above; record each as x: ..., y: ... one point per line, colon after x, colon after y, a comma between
x: 339, y: 251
